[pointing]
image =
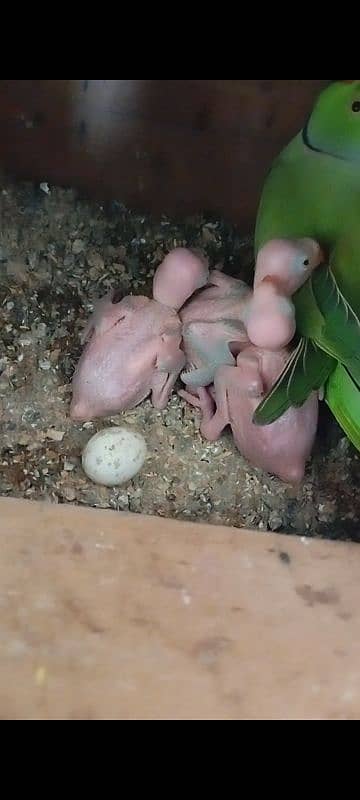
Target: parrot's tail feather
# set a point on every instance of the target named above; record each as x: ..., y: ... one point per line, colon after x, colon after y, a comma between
x: 352, y: 364
x: 343, y: 398
x: 307, y: 370
x: 340, y: 334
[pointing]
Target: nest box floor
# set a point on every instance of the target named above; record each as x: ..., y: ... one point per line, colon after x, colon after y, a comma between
x: 58, y: 254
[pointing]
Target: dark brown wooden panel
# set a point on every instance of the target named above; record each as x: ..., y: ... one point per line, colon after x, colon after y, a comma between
x: 173, y: 147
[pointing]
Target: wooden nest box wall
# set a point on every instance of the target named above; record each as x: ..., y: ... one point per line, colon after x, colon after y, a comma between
x: 174, y: 147
x: 108, y: 615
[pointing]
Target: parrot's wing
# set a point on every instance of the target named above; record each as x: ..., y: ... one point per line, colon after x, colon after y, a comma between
x: 343, y: 398
x: 307, y: 370
x: 340, y: 333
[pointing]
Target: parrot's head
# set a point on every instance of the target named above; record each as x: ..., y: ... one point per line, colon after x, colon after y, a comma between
x: 334, y: 124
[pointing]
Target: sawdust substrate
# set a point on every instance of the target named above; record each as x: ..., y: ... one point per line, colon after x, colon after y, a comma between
x: 58, y: 254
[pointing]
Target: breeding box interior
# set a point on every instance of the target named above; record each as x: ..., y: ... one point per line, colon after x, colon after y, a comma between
x: 77, y: 230
x: 194, y: 590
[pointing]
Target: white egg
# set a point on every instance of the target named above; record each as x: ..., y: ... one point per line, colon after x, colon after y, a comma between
x: 114, y: 456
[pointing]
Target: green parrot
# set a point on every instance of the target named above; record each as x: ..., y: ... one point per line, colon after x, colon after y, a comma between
x: 313, y: 190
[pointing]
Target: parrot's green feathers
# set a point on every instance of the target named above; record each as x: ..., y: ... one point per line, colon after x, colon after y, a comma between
x: 306, y: 371
x: 335, y: 337
x: 343, y: 398
x: 313, y: 190
x: 333, y: 127
x: 309, y: 318
x: 340, y: 334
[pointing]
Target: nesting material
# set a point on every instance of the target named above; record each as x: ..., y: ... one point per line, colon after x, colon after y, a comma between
x: 47, y: 291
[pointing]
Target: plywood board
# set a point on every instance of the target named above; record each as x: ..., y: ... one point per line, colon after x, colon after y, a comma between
x: 114, y: 616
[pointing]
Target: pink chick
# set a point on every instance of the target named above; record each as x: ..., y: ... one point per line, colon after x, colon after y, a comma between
x: 281, y: 448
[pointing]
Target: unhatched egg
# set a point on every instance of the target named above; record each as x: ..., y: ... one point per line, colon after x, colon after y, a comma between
x: 114, y: 456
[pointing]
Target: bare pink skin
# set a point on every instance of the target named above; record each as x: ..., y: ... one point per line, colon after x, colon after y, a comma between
x: 282, y: 267
x: 213, y: 328
x: 289, y: 261
x: 282, y: 448
x: 134, y: 346
x: 133, y: 352
x: 181, y: 273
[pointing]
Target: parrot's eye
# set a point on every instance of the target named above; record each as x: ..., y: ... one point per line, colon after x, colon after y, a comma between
x: 306, y: 262
x: 356, y: 106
